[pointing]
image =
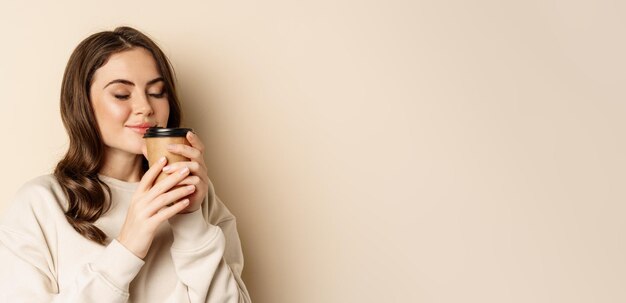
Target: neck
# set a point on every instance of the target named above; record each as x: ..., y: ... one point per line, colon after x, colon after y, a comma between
x: 122, y: 165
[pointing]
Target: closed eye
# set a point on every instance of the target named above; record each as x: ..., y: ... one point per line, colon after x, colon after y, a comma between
x: 159, y: 95
x: 122, y: 97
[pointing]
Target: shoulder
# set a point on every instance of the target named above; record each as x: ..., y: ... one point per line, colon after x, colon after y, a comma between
x: 38, y: 196
x: 39, y: 189
x: 40, y: 182
x: 28, y: 226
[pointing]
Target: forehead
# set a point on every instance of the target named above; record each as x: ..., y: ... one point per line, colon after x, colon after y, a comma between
x: 136, y: 65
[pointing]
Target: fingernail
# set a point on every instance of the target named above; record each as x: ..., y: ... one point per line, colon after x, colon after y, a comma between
x: 162, y: 159
x: 184, y: 170
x: 191, y: 188
x: 186, y: 201
x: 167, y: 168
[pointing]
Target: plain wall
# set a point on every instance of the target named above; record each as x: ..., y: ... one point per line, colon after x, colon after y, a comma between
x: 376, y: 151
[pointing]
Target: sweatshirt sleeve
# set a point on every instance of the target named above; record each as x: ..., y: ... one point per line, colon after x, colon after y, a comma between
x: 208, y: 259
x: 22, y: 281
x: 28, y: 260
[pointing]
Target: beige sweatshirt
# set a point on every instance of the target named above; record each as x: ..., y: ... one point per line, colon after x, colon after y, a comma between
x: 194, y: 257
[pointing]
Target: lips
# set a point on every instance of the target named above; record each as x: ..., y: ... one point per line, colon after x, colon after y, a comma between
x: 141, y: 128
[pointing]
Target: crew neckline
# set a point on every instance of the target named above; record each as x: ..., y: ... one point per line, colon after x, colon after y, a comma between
x: 130, y: 186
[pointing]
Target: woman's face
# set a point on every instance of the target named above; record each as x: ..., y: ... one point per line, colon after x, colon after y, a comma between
x: 128, y: 96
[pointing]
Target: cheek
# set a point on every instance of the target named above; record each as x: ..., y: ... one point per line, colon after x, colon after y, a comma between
x: 162, y: 112
x: 111, y: 114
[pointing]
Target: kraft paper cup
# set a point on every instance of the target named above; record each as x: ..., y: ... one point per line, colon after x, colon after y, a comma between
x: 157, y: 139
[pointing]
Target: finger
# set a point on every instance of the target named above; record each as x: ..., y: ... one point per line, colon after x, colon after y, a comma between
x: 151, y: 174
x: 186, y: 151
x: 170, y: 211
x: 169, y: 197
x: 190, y: 180
x: 167, y: 183
x: 194, y: 140
x: 194, y: 167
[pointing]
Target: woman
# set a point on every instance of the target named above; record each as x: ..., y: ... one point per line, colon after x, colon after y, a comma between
x: 99, y: 229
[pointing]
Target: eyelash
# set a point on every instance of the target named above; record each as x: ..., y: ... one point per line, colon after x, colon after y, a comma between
x: 125, y: 97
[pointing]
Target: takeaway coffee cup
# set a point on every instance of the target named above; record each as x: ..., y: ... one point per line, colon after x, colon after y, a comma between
x: 157, y: 139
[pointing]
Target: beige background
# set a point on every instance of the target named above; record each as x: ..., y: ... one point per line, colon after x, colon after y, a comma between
x: 377, y: 151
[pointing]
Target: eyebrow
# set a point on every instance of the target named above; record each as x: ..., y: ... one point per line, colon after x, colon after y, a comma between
x: 124, y: 81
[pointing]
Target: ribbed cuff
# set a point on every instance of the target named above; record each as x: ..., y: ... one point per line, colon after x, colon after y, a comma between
x: 191, y: 231
x: 118, y: 265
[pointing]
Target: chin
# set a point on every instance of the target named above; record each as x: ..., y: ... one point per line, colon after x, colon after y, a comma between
x: 137, y: 149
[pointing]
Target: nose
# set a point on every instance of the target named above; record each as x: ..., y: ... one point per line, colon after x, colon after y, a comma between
x: 142, y: 106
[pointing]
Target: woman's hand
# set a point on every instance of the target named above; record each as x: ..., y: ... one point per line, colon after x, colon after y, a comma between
x: 149, y: 207
x: 199, y: 176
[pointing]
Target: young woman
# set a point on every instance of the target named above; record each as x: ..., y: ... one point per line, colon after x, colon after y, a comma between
x: 99, y: 229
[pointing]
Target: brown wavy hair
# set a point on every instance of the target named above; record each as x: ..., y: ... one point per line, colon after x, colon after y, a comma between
x: 77, y: 173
